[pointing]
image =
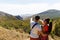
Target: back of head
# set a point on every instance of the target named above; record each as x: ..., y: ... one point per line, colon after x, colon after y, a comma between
x: 37, y: 17
x: 47, y: 20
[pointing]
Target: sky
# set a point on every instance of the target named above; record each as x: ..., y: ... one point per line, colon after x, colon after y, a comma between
x: 21, y: 7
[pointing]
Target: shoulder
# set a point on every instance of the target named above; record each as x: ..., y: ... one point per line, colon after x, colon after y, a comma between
x: 38, y: 26
x: 32, y: 22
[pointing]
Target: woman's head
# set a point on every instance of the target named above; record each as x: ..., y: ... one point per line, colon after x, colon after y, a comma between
x: 46, y: 21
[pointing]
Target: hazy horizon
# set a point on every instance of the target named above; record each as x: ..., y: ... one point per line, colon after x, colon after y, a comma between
x: 23, y: 7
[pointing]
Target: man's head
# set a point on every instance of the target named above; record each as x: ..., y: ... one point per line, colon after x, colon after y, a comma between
x: 37, y: 18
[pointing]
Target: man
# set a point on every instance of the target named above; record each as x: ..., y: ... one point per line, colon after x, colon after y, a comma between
x: 36, y: 29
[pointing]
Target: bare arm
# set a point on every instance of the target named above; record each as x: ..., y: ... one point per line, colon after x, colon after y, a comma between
x: 41, y: 21
x: 31, y: 20
x: 41, y: 33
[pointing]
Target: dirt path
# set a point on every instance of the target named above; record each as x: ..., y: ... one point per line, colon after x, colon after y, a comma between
x: 56, y: 38
x: 50, y: 38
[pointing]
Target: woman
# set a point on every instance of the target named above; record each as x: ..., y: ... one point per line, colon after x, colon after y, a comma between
x: 47, y: 26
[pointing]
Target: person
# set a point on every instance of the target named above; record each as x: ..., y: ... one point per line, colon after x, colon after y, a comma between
x: 47, y: 27
x: 36, y: 29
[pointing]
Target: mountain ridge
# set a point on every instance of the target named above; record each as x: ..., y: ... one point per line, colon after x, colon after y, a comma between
x: 7, y: 16
x: 52, y: 13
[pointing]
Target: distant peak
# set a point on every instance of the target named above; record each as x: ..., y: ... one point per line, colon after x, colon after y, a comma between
x: 52, y: 10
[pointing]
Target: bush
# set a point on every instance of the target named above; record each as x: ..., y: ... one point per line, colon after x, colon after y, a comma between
x: 57, y: 27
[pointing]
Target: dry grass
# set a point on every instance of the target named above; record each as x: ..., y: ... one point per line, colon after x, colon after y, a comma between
x: 6, y: 34
x: 56, y: 38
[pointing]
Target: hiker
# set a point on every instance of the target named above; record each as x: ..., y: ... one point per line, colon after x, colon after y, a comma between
x: 36, y: 29
x: 47, y: 27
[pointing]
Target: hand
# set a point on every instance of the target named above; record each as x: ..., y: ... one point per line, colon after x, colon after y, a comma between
x: 44, y: 35
x: 42, y: 21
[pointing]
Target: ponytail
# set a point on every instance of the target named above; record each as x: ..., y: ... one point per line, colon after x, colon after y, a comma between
x: 50, y: 26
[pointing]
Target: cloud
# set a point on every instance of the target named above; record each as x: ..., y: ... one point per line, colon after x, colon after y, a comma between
x: 23, y: 9
x: 34, y: 8
x: 56, y: 6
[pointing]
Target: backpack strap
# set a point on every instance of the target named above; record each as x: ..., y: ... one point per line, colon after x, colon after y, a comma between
x: 34, y: 25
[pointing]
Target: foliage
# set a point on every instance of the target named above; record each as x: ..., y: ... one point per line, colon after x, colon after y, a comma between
x: 25, y: 25
x: 57, y: 27
x: 15, y: 24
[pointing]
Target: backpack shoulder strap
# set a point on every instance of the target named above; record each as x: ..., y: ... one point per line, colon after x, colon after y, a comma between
x: 34, y: 25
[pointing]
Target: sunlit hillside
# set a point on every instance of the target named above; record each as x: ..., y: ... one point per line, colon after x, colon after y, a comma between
x: 6, y: 34
x: 13, y: 28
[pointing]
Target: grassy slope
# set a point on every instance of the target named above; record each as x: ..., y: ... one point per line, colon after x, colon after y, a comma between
x: 6, y: 34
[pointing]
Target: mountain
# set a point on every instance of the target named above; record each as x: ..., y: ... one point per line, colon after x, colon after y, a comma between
x: 52, y: 13
x: 19, y: 17
x: 13, y: 22
x: 26, y: 16
x: 6, y: 16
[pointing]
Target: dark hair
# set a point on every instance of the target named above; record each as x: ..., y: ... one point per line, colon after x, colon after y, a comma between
x: 50, y: 24
x: 37, y: 17
x: 47, y: 20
